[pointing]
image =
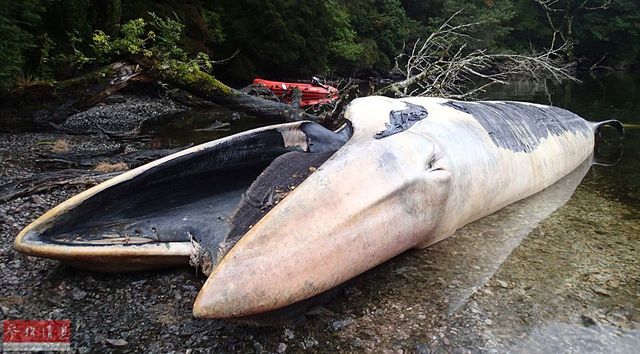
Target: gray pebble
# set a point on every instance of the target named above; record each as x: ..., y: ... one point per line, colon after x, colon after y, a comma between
x: 281, y: 348
x: 117, y: 342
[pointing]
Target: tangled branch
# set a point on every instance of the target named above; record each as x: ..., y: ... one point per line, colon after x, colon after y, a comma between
x: 443, y: 65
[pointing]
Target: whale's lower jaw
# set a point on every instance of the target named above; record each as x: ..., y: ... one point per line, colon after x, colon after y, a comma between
x: 119, y: 264
x: 182, y: 209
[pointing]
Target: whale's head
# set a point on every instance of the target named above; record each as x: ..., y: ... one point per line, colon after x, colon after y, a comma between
x: 380, y: 194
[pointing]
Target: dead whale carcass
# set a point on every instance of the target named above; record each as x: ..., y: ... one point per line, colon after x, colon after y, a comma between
x: 284, y: 213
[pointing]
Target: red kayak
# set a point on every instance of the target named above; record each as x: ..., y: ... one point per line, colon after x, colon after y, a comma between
x: 313, y: 94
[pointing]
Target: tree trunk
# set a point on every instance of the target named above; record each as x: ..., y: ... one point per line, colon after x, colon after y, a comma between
x: 53, y: 102
x: 50, y: 105
x: 199, y: 83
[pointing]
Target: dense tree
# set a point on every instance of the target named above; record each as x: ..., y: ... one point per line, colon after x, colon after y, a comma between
x: 45, y: 40
x: 17, y: 23
x: 611, y: 34
x: 281, y: 39
x: 493, y: 18
x: 382, y: 28
x: 598, y: 31
x: 286, y: 38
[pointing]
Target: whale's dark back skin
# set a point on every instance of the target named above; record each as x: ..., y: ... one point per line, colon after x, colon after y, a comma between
x: 519, y: 126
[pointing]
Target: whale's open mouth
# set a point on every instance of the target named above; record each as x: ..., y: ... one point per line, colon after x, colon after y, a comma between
x: 199, y: 200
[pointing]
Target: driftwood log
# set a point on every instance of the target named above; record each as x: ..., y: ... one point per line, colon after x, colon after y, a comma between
x: 89, y: 159
x: 52, y: 103
x: 47, y: 181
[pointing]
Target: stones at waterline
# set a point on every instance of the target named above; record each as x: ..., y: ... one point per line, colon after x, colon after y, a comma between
x: 122, y: 117
x: 308, y: 342
x: 78, y: 294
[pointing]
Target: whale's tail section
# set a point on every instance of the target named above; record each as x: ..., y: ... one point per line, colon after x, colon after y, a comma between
x: 597, y: 127
x: 608, y: 148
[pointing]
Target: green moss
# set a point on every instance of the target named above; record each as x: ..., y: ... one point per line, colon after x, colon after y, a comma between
x: 188, y: 74
x: 84, y: 81
x: 210, y: 82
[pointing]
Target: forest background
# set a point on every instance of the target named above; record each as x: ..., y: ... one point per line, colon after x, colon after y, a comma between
x: 46, y: 40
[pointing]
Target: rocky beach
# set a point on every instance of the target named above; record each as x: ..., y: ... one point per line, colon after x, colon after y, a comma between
x: 568, y: 281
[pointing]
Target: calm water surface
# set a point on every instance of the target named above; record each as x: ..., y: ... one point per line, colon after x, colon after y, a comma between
x: 559, y: 271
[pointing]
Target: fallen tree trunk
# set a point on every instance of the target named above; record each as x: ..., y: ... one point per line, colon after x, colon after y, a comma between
x: 44, y: 182
x: 52, y: 103
x: 201, y: 84
x: 78, y: 159
x: 89, y: 159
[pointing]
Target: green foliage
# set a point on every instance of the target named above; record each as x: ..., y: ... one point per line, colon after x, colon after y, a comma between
x: 133, y: 38
x: 382, y: 27
x: 595, y: 29
x: 214, y: 26
x: 612, y: 33
x: 132, y: 41
x: 158, y: 39
x: 156, y: 42
x: 77, y: 58
x: 344, y: 50
x: 43, y: 40
x: 492, y: 18
x: 59, y: 39
x: 17, y: 19
x: 47, y: 48
x: 276, y: 37
x: 501, y: 25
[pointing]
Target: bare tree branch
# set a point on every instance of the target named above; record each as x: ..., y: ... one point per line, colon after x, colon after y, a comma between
x: 443, y: 65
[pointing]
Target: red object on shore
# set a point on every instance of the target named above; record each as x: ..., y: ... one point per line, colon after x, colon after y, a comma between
x: 312, y: 94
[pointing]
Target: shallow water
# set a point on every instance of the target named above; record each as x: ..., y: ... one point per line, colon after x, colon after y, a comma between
x: 199, y: 125
x: 558, y: 271
x: 573, y: 283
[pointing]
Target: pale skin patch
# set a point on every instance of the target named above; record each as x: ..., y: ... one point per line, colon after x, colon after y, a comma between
x: 294, y: 137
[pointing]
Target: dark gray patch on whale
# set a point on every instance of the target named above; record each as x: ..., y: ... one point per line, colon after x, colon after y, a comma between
x: 402, y: 120
x: 520, y: 127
